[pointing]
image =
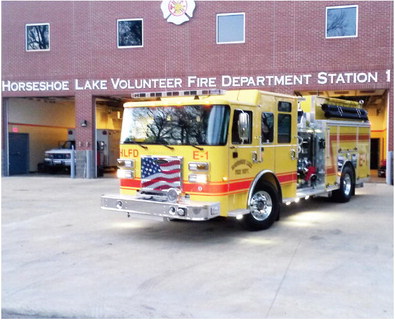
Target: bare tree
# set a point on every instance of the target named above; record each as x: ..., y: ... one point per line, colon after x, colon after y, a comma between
x: 37, y: 37
x: 129, y: 33
x: 340, y: 22
x: 337, y: 24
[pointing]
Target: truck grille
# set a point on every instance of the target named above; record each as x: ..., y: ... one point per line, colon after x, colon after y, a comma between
x: 58, y: 156
x: 160, y: 173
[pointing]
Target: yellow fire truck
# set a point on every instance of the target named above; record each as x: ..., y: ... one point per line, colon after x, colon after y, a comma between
x: 202, y: 154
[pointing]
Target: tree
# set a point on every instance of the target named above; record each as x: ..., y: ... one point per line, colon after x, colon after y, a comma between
x: 37, y: 37
x: 129, y: 33
x: 341, y: 22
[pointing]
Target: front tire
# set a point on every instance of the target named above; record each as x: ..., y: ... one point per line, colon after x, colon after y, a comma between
x: 264, y: 208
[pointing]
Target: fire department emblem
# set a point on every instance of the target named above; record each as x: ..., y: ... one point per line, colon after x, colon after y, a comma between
x: 178, y: 11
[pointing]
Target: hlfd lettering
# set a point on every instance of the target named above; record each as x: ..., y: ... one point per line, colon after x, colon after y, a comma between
x: 128, y: 153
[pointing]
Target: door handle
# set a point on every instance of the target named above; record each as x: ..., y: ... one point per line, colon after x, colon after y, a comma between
x: 292, y: 154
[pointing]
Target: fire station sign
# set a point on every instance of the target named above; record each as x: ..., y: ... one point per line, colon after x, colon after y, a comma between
x: 191, y: 81
x: 178, y: 11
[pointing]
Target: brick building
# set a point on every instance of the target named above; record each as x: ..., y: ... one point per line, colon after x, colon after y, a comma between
x: 69, y: 66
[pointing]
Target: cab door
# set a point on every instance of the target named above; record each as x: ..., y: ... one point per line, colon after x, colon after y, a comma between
x: 242, y: 157
x: 286, y: 147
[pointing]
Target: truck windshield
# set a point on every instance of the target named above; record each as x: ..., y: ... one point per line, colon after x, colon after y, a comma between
x: 176, y: 125
x: 68, y: 144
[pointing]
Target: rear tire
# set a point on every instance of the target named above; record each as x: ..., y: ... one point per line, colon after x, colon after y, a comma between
x: 347, y: 186
x: 264, y: 208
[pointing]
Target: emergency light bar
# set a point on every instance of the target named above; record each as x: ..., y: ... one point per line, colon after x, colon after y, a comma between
x: 177, y: 93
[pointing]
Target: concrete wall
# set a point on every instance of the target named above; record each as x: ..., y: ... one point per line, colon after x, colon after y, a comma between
x: 108, y: 118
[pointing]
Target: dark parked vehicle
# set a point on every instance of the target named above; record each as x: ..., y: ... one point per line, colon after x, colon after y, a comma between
x: 382, y: 169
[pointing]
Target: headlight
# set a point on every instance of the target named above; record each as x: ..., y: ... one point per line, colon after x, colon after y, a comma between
x: 48, y: 155
x: 125, y: 174
x: 67, y: 156
x: 126, y: 163
x: 198, y: 178
x: 198, y: 166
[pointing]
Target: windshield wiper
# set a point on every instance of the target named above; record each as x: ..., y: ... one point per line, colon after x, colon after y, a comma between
x: 163, y: 142
x: 167, y: 146
x: 195, y: 146
x: 128, y: 141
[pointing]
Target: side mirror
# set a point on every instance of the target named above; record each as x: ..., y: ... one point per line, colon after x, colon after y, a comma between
x: 244, y: 126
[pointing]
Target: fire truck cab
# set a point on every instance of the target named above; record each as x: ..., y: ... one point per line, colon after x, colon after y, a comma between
x: 241, y: 153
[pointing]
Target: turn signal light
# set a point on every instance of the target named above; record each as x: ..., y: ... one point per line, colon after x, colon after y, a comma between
x: 198, y: 166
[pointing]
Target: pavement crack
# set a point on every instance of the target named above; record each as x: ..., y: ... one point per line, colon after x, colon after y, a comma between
x: 283, y: 279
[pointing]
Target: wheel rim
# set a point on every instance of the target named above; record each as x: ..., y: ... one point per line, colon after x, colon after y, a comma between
x: 261, y: 205
x: 347, y: 183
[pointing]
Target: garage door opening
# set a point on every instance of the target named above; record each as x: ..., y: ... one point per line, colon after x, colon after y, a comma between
x: 35, y: 125
x: 108, y: 114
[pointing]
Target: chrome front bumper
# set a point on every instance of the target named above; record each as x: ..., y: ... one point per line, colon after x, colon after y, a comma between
x: 57, y: 162
x: 189, y: 210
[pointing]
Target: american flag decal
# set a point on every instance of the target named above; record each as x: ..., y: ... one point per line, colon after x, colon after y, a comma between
x: 160, y: 173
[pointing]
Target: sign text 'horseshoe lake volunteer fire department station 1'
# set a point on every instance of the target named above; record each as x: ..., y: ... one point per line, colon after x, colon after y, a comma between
x: 224, y: 81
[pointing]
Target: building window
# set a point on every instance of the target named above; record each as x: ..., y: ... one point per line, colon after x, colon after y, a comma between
x: 231, y: 28
x: 342, y: 22
x: 130, y: 33
x: 37, y: 37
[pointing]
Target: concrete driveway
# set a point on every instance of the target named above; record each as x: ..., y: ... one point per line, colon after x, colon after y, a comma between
x: 63, y: 257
